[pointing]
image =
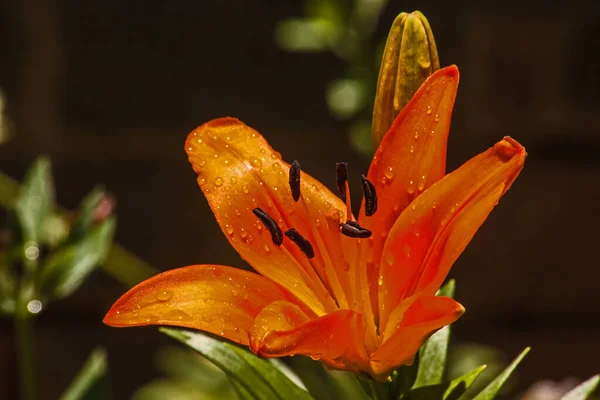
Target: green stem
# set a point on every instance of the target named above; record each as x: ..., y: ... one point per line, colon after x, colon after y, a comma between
x: 24, y: 345
x: 372, y: 389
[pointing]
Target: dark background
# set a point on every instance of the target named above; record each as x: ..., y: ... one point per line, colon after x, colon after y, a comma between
x: 110, y: 90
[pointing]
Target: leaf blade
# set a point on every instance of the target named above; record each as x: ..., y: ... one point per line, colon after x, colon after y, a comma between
x: 490, y: 391
x: 258, y: 376
x: 583, y: 390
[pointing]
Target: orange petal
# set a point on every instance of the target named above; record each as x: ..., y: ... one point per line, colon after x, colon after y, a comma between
x: 213, y: 298
x: 238, y: 171
x: 434, y: 230
x: 410, y: 158
x: 283, y: 329
x: 423, y: 317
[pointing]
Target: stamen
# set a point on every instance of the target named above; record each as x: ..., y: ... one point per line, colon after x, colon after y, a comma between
x: 301, y: 242
x: 353, y: 230
x: 270, y: 224
x: 295, y: 180
x: 370, y: 196
x: 341, y: 176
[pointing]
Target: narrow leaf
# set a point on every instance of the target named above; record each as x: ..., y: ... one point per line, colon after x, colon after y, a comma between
x: 448, y: 390
x: 240, y: 390
x: 433, y: 354
x: 88, y: 384
x: 258, y: 376
x: 583, y: 390
x: 492, y: 389
x: 35, y: 201
x: 67, y: 268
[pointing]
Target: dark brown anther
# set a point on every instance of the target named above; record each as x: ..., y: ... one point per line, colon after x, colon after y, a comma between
x: 370, y: 196
x: 295, y: 180
x: 301, y: 242
x: 341, y: 176
x: 354, y: 230
x: 270, y: 224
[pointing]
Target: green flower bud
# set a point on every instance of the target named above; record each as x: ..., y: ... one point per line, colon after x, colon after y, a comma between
x: 410, y: 57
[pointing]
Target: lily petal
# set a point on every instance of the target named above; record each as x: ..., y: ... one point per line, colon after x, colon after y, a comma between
x: 238, y: 171
x: 410, y: 158
x: 282, y: 329
x: 422, y: 318
x: 212, y: 298
x: 434, y: 230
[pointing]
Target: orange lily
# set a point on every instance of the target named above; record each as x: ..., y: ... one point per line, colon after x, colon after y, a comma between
x: 357, y: 293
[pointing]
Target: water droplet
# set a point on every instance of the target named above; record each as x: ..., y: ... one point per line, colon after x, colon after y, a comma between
x: 243, y: 234
x: 389, y: 258
x: 218, y: 181
x: 206, y: 190
x: 432, y: 133
x: 257, y: 163
x: 276, y: 165
x: 380, y: 280
x: 177, y: 315
x: 202, y: 163
x: 164, y: 295
x: 453, y: 208
x: 238, y: 212
x: 267, y: 248
x: 199, y: 140
x: 226, y: 162
x: 389, y: 173
x: 245, y: 189
x: 406, y: 250
x: 233, y: 180
x: 416, y: 135
x: 411, y: 187
x: 433, y: 205
x: 412, y: 149
x: 216, y: 271
x: 421, y: 184
x: 428, y: 110
x: 436, y: 118
x: 216, y: 155
x: 229, y: 229
x: 258, y: 227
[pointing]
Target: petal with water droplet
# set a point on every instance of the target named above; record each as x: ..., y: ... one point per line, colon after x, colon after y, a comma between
x: 442, y: 223
x: 212, y: 298
x: 249, y: 157
x: 411, y: 153
x: 416, y: 320
x: 283, y: 329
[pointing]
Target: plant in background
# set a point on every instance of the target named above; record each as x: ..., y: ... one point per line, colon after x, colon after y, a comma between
x: 45, y: 256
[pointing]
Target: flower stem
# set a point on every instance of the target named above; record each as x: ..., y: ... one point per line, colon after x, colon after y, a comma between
x: 24, y: 345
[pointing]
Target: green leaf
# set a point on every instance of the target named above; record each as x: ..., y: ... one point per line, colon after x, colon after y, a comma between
x: 262, y: 379
x: 91, y: 381
x: 446, y: 391
x: 241, y: 391
x: 66, y: 269
x: 492, y: 389
x: 34, y: 204
x: 584, y: 390
x: 323, y: 384
x: 433, y: 354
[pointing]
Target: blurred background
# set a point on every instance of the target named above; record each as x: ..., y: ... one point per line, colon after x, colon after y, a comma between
x: 109, y: 90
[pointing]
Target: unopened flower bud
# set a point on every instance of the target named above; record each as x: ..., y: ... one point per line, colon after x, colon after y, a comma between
x: 410, y: 57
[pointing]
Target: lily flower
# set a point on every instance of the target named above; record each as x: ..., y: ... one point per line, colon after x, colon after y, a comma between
x: 357, y: 293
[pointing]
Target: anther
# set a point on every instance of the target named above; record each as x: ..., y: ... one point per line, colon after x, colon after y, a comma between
x: 353, y: 230
x: 341, y: 176
x: 301, y: 242
x: 295, y: 180
x: 270, y: 224
x: 370, y: 196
